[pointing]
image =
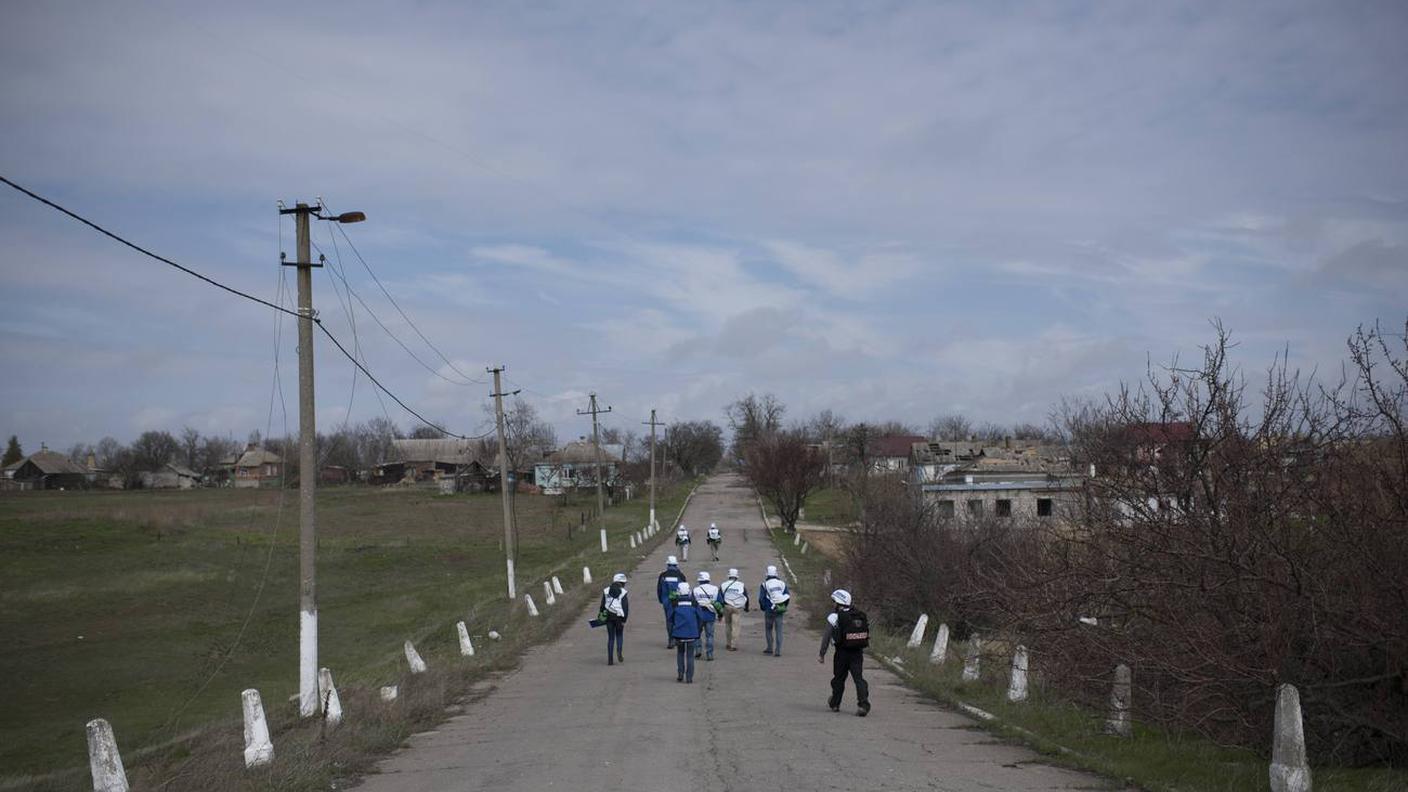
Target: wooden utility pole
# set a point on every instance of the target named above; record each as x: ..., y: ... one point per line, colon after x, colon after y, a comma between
x: 510, y: 530
x: 652, y: 423
x: 594, y: 411
x: 308, y: 699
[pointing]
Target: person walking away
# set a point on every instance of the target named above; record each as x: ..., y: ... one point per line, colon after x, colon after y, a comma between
x: 773, y: 597
x: 615, y: 609
x: 706, y: 596
x: 665, y: 586
x: 715, y: 538
x: 682, y: 541
x: 734, y: 596
x: 684, y: 628
x: 850, y: 631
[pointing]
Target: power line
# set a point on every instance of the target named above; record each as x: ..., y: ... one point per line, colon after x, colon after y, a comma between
x: 316, y: 321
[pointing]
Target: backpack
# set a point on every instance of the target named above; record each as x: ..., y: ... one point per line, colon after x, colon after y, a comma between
x: 852, y: 629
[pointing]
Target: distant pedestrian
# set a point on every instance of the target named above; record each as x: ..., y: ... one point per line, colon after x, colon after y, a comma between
x: 773, y: 598
x: 685, y: 627
x: 665, y: 586
x: 706, y: 596
x: 615, y: 609
x: 715, y: 538
x: 850, y: 631
x: 734, y: 595
x: 682, y: 541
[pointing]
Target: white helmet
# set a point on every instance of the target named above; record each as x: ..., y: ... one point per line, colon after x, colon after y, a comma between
x: 733, y: 573
x: 671, y: 561
x: 703, y: 576
x: 619, y: 577
x: 772, y: 571
x: 713, y: 525
x: 683, y: 587
x: 841, y: 597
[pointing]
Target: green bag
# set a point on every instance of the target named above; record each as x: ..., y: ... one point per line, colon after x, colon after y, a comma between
x: 780, y: 608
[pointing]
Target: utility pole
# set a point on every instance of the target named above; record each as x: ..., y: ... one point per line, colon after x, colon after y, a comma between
x: 510, y: 532
x: 652, y: 423
x: 308, y: 699
x: 594, y: 411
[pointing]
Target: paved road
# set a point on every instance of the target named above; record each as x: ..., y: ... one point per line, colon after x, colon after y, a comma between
x: 566, y: 720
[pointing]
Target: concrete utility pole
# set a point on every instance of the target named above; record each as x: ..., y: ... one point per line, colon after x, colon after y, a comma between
x: 510, y: 530
x: 652, y: 423
x: 594, y: 411
x: 309, y: 702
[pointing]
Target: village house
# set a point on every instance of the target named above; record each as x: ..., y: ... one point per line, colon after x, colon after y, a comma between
x: 890, y: 454
x: 254, y: 467
x: 171, y: 476
x: 461, y: 463
x: 574, y: 465
x: 47, y: 470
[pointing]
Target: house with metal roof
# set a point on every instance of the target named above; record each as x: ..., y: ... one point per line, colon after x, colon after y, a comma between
x: 49, y: 470
x: 575, y: 465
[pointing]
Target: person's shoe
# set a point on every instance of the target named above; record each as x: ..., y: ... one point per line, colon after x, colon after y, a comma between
x: 777, y: 654
x: 698, y: 655
x: 767, y: 650
x: 609, y: 661
x: 679, y: 678
x: 863, y: 709
x: 710, y: 658
x: 670, y: 645
x: 834, y: 705
x: 689, y: 681
x: 620, y: 659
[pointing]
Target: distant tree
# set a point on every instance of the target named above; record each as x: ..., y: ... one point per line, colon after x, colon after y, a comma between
x: 13, y: 452
x: 694, y: 446
x: 528, y: 437
x: 1033, y: 433
x: 213, y: 449
x: 825, y: 427
x: 153, y: 449
x: 753, y: 418
x: 894, y: 429
x: 784, y: 468
x: 78, y: 454
x: 255, y: 438
x: 376, y: 441
x: 991, y: 432
x: 190, y: 447
x: 425, y: 432
x: 110, y: 452
x: 950, y: 427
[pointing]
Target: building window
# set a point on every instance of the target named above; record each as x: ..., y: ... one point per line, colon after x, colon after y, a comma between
x: 975, y: 508
x: 1004, y: 507
x: 945, y: 508
x: 1043, y: 507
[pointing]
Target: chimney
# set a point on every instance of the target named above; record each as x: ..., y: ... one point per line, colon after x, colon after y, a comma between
x: 92, y: 461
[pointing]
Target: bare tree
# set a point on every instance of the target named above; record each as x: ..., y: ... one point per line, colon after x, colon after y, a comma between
x: 190, y: 447
x: 153, y: 449
x: 784, y: 468
x: 753, y: 418
x: 694, y: 446
x: 950, y: 427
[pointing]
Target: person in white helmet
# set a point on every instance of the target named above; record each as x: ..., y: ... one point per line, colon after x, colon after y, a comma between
x: 665, y: 587
x: 706, y: 596
x: 773, y: 598
x: 715, y: 537
x: 615, y: 609
x: 850, y: 631
x: 682, y: 541
x: 734, y: 596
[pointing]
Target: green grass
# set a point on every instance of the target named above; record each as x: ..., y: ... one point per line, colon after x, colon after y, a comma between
x: 1153, y: 759
x: 127, y: 605
x: 831, y: 506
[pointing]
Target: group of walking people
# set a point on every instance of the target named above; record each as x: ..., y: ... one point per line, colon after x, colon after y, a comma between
x: 692, y: 611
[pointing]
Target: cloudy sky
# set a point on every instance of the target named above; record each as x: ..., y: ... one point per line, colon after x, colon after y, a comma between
x: 892, y: 210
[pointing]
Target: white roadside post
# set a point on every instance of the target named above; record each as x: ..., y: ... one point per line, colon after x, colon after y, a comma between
x: 1289, y: 770
x: 940, y: 652
x: 547, y: 594
x: 556, y: 584
x: 103, y: 758
x: 633, y: 541
x: 972, y: 660
x: 327, y: 692
x: 1118, y: 722
x: 389, y: 693
x: 804, y: 548
x: 1017, y: 685
x: 796, y: 538
x: 532, y: 608
x: 494, y: 635
x: 917, y: 636
x: 466, y: 646
x: 603, y: 540
x: 586, y: 574
x: 413, y: 659
x: 258, y: 748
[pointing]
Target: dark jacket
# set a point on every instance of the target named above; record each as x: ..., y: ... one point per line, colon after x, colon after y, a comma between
x: 684, y: 621
x: 616, y: 590
x: 668, y: 581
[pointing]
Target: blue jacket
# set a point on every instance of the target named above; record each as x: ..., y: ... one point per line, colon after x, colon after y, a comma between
x: 684, y: 621
x: 668, y: 581
x: 764, y: 601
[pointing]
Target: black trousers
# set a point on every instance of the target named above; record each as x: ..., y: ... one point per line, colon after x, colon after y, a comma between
x: 848, y: 661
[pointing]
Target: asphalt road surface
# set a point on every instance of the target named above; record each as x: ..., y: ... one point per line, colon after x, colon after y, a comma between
x: 566, y: 720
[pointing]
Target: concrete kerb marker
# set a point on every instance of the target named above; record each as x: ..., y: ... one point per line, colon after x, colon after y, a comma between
x: 633, y: 541
x: 804, y: 548
x: 603, y: 540
x: 1121, y: 693
x: 547, y: 594
x: 413, y: 659
x: 556, y: 585
x: 104, y: 761
x: 1289, y: 771
x: 532, y: 608
x: 972, y: 660
x: 790, y: 573
x: 258, y: 748
x: 466, y: 646
x: 389, y: 693
x: 940, y: 652
x: 796, y: 537
x: 332, y: 703
x: 917, y: 636
x: 494, y: 635
x: 586, y: 574
x: 1017, y: 684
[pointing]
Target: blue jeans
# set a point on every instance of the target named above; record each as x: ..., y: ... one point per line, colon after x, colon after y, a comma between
x: 615, y: 639
x: 684, y: 659
x: 670, y: 644
x: 706, y: 640
x: 772, y: 624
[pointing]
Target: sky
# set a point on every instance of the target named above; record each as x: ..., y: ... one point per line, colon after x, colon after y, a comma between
x: 891, y: 210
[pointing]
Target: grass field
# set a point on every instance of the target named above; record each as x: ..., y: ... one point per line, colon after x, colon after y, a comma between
x: 132, y: 605
x: 1154, y: 759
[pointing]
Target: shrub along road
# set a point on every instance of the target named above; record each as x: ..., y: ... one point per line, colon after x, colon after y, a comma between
x: 566, y: 720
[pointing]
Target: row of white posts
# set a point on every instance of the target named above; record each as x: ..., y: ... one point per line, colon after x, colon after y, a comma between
x: 1290, y: 772
x: 105, y: 761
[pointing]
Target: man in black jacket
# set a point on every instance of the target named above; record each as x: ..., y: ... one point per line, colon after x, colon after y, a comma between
x: 665, y: 585
x: 850, y: 630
